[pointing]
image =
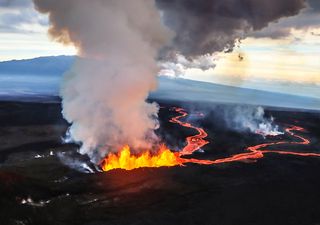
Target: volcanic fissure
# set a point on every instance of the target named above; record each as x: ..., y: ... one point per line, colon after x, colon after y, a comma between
x: 165, y: 157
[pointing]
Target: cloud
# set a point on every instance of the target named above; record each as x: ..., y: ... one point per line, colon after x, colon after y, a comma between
x: 19, y: 17
x: 207, y: 26
x: 15, y: 3
x: 314, y: 5
x: 201, y: 26
x: 308, y: 19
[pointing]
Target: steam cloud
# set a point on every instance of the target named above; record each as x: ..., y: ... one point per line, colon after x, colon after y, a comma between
x: 252, y: 119
x: 104, y: 93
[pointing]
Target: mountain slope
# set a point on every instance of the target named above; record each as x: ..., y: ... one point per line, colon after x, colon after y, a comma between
x: 52, y: 65
x: 189, y: 90
x: 20, y: 79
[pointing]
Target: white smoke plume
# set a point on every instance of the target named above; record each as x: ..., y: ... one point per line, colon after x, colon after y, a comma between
x: 253, y: 119
x: 104, y: 92
x: 74, y: 163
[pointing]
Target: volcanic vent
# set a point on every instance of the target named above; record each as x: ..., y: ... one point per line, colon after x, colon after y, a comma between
x: 165, y: 157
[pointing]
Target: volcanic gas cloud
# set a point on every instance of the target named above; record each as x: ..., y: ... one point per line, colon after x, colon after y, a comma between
x: 104, y: 92
x: 119, y: 42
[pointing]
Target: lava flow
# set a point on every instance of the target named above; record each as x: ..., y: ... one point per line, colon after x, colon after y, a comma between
x: 195, y: 142
x: 289, y: 130
x: 257, y: 151
x: 164, y: 157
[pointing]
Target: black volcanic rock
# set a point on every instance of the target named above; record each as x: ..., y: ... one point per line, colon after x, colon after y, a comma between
x: 276, y: 189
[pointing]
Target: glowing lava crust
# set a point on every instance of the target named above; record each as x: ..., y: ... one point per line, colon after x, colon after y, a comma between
x: 165, y: 157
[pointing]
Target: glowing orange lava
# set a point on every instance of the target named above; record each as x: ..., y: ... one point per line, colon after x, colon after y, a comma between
x: 195, y: 142
x: 255, y: 152
x: 289, y: 130
x: 125, y: 160
x: 164, y: 157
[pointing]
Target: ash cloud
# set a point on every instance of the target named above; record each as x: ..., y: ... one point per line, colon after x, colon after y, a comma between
x: 314, y: 5
x: 307, y: 19
x: 208, y: 26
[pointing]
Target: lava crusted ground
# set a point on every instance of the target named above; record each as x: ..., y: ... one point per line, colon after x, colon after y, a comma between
x: 37, y: 188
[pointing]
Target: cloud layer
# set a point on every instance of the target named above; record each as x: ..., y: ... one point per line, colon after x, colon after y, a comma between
x: 19, y: 17
x: 207, y: 26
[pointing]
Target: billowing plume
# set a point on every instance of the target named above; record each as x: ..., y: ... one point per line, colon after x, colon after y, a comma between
x: 252, y: 119
x: 104, y: 93
x: 207, y: 26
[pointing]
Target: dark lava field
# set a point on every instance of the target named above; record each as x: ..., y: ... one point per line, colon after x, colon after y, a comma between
x: 43, y: 181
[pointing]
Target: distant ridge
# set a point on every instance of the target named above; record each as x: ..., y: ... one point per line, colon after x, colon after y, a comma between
x: 198, y: 91
x: 39, y: 79
x: 51, y: 65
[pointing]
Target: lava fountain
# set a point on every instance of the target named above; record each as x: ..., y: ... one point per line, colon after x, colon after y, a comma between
x: 124, y: 159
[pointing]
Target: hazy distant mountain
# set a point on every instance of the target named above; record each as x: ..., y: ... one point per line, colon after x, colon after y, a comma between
x: 20, y: 79
x: 189, y: 90
x: 52, y: 65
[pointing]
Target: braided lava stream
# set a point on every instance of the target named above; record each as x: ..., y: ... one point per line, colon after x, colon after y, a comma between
x: 254, y: 152
x: 124, y: 159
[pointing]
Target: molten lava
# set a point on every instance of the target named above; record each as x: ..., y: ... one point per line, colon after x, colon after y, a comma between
x: 164, y: 157
x: 195, y: 142
x: 125, y: 160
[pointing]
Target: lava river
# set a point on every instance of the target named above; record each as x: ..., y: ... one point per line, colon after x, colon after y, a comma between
x: 164, y: 157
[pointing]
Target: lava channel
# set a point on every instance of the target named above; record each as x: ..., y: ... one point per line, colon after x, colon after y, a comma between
x: 165, y: 157
x: 195, y: 142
